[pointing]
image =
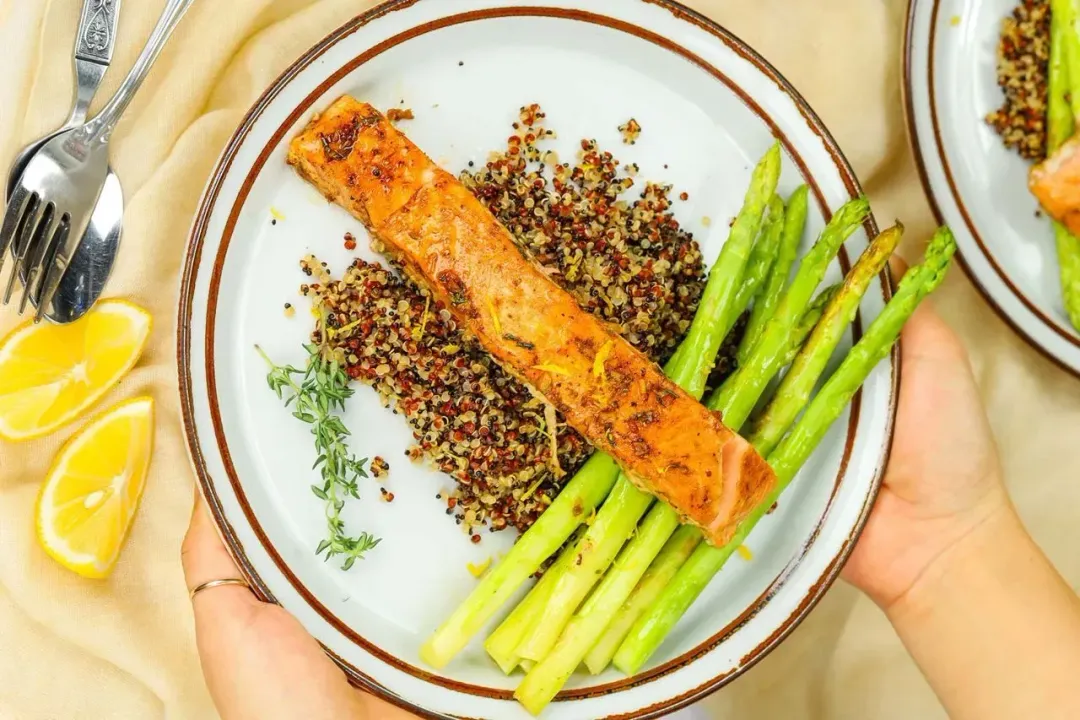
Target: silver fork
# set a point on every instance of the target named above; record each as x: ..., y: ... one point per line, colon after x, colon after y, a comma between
x: 50, y: 207
x: 94, y: 42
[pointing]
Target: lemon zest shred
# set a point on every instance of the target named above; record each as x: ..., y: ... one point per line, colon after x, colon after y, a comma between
x: 528, y: 493
x: 495, y: 318
x: 745, y: 553
x: 419, y: 335
x: 478, y: 570
x: 552, y: 368
x: 276, y: 214
x: 345, y: 328
x: 553, y: 435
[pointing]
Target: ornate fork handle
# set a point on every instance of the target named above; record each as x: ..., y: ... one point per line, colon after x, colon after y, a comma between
x: 94, y: 43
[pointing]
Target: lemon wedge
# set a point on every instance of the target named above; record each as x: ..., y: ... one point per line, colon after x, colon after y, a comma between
x: 93, y: 488
x: 50, y: 374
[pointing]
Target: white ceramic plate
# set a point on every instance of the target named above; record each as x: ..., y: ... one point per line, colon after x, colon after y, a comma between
x: 709, y: 107
x: 976, y: 185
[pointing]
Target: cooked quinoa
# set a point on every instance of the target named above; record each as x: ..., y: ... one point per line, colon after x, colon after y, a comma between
x: 1023, y: 57
x: 379, y: 467
x: 629, y: 263
x: 630, y: 131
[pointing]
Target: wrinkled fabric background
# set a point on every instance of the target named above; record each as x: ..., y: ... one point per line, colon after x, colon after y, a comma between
x: 73, y: 649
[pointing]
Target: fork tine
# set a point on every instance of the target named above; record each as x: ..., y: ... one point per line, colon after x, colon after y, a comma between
x: 29, y: 244
x: 21, y: 242
x: 53, y: 269
x: 30, y: 268
x: 21, y: 206
x: 37, y: 264
x: 30, y: 271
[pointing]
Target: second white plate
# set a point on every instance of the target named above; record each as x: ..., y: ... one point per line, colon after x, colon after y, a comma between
x: 976, y: 185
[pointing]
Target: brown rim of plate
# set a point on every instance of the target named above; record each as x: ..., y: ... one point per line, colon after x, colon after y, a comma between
x: 192, y: 263
x: 928, y: 191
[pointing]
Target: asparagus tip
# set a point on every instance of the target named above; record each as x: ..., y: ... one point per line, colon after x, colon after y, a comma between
x: 942, y: 246
x: 772, y: 155
x: 776, y: 207
x: 853, y: 212
x: 800, y: 192
x: 936, y: 261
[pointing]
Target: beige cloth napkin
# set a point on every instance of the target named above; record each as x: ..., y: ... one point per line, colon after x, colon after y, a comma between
x: 72, y: 649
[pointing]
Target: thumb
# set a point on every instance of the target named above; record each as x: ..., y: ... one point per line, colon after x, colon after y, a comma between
x: 898, y: 267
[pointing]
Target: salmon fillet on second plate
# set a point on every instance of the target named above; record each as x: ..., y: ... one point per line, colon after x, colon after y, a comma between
x: 667, y: 442
x: 1055, y: 182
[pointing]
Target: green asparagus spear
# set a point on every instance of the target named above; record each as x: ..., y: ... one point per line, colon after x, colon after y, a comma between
x: 686, y: 538
x: 1064, y: 70
x: 860, y: 361
x: 808, y: 322
x: 761, y: 260
x: 626, y: 504
x: 740, y: 392
x: 547, y: 677
x: 795, y: 389
x: 580, y: 496
x: 1068, y: 251
x: 717, y: 308
x: 765, y: 305
x: 663, y: 568
x: 614, y: 523
x: 551, y: 672
x: 1064, y: 83
x: 1059, y: 116
x: 502, y: 644
x: 706, y: 560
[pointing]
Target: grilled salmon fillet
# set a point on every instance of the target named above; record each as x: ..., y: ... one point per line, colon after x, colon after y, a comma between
x: 1055, y: 182
x: 422, y: 217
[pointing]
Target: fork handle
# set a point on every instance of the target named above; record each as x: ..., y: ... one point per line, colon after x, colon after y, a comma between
x: 102, y: 125
x: 94, y: 43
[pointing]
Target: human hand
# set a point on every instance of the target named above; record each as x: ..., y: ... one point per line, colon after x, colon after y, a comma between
x: 259, y: 662
x: 943, y: 483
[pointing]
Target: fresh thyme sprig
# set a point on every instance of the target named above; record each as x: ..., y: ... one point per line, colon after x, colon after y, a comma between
x: 314, y: 393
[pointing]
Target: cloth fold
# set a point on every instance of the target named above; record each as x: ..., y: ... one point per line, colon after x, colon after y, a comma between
x: 123, y: 648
